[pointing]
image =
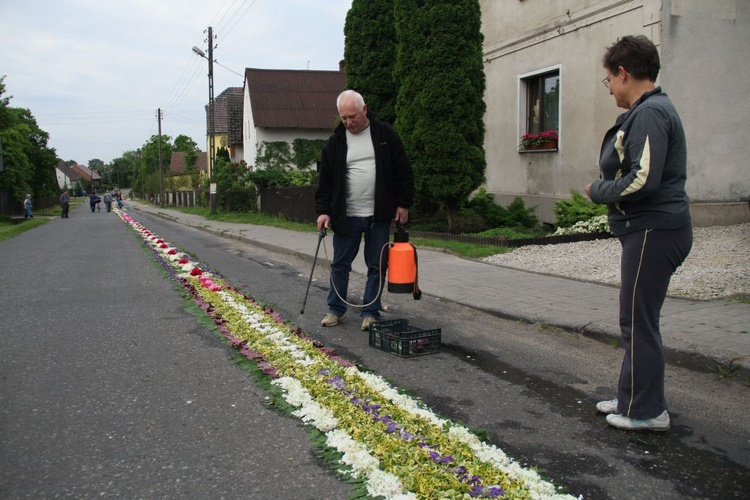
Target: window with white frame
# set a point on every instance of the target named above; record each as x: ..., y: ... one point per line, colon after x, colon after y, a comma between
x: 540, y: 103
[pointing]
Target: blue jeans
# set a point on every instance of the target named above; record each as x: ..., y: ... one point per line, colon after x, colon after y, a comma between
x: 345, y: 249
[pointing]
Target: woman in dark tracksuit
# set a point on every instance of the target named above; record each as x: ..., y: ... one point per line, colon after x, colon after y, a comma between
x: 643, y: 164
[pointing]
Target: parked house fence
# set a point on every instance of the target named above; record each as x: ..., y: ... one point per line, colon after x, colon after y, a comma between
x: 298, y: 204
x: 10, y: 208
x: 293, y: 203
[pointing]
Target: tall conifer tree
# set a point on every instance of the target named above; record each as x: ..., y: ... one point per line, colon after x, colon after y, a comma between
x: 370, y: 55
x: 440, y: 105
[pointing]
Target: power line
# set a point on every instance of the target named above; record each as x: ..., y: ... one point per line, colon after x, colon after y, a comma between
x: 229, y: 69
x: 218, y: 23
x: 189, y: 76
x: 237, y: 21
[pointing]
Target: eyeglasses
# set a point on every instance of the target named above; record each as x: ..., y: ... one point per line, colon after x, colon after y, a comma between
x: 606, y: 81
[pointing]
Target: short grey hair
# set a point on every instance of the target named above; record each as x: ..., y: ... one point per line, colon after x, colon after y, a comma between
x: 359, y: 101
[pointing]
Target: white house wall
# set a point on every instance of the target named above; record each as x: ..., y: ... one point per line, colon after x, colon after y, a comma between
x: 287, y: 135
x: 253, y: 136
x: 705, y: 49
x: 525, y: 37
x: 62, y: 179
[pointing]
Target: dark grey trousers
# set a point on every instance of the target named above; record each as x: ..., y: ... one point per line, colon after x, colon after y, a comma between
x: 649, y: 259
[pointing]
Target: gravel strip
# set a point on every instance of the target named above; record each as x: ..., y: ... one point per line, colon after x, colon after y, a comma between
x: 718, y: 266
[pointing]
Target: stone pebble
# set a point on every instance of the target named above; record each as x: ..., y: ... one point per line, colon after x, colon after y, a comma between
x: 718, y: 266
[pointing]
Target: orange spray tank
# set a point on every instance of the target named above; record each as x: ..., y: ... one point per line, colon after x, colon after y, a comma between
x: 403, y: 265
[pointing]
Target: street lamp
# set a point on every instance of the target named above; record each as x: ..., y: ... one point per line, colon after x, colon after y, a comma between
x: 211, y: 138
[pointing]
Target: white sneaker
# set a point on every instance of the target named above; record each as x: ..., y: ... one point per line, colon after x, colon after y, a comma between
x: 660, y: 423
x: 331, y: 319
x: 607, y: 407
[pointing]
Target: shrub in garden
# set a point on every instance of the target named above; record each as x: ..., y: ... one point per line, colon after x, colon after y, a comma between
x: 577, y: 209
x: 468, y: 223
x: 494, y: 215
x: 596, y: 224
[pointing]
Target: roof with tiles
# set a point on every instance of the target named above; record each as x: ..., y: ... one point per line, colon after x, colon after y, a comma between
x: 86, y: 173
x: 177, y: 162
x: 228, y: 114
x: 294, y: 99
x: 69, y: 171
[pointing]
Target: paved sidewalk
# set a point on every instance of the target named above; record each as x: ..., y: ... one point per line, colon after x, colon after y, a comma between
x: 695, y: 333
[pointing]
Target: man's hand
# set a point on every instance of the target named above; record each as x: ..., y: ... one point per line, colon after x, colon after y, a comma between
x: 402, y: 215
x: 324, y: 221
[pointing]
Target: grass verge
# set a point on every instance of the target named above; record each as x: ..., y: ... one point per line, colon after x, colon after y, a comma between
x: 466, y: 250
x: 10, y: 228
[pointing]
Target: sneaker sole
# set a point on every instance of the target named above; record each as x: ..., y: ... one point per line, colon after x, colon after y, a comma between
x: 605, y: 409
x: 644, y: 428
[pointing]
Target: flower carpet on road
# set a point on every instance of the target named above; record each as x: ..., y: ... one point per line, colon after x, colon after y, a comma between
x: 391, y: 443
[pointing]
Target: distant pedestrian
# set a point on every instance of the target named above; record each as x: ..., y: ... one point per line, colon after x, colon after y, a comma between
x: 27, y: 212
x: 643, y: 163
x: 65, y: 203
x: 108, y: 201
x: 94, y: 201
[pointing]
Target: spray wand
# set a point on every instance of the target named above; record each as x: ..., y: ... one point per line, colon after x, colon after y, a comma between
x: 321, y: 235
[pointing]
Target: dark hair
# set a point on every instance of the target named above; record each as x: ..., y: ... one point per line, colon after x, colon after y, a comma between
x: 637, y: 54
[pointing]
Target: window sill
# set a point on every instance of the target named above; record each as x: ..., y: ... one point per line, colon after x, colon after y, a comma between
x: 546, y: 150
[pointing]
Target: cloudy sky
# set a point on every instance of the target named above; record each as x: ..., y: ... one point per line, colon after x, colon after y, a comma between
x: 94, y: 72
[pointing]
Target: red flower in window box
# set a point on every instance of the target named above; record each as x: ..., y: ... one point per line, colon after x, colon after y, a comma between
x: 534, y: 141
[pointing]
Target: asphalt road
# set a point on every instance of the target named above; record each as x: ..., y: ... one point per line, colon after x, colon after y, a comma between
x: 110, y: 389
x: 109, y: 386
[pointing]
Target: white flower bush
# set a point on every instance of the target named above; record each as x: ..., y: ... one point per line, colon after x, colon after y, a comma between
x: 596, y: 224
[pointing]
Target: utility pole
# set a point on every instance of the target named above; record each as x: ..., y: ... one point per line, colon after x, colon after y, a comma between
x: 211, y: 131
x: 161, y: 172
x: 133, y: 183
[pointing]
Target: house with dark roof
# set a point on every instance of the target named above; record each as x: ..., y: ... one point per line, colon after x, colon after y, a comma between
x: 177, y: 164
x: 227, y: 123
x: 76, y: 173
x: 284, y: 105
x: 67, y: 177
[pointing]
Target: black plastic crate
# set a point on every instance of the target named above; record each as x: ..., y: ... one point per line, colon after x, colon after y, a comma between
x: 398, y: 337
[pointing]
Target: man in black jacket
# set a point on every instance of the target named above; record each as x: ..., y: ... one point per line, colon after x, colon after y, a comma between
x: 365, y: 182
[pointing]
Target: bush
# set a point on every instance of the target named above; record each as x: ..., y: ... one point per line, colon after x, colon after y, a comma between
x: 303, y: 177
x: 428, y: 225
x: 468, y: 223
x: 577, y: 209
x: 270, y: 177
x: 242, y: 201
x: 483, y: 204
x: 520, y: 216
x: 515, y: 215
x: 597, y: 224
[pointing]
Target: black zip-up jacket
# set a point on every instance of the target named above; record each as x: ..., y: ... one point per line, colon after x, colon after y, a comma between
x: 394, y: 180
x: 643, y: 163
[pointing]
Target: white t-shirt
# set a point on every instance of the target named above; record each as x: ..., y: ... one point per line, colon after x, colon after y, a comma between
x: 360, y: 168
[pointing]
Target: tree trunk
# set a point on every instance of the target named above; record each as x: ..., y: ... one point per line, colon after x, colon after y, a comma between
x: 451, y: 214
